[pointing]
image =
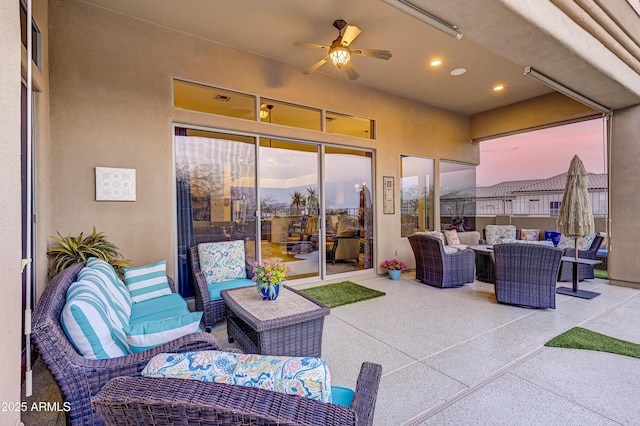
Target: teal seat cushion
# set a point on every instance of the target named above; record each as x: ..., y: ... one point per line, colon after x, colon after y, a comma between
x: 145, y: 335
x: 157, y: 305
x: 341, y: 396
x: 154, y: 316
x: 216, y: 288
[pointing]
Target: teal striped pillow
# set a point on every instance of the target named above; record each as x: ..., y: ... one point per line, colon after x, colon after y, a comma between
x: 147, y: 282
x: 103, y: 270
x: 92, y: 331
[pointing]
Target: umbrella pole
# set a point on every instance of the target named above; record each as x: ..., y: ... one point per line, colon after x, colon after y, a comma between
x: 576, y: 248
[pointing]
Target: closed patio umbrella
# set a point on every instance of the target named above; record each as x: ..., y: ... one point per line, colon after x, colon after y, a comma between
x: 575, y: 218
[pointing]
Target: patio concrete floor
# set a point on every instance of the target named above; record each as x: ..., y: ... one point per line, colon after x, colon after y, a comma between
x: 457, y: 357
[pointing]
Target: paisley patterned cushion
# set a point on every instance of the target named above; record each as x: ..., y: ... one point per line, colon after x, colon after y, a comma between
x: 436, y: 234
x: 569, y: 242
x: 496, y: 234
x: 308, y: 377
x: 222, y: 261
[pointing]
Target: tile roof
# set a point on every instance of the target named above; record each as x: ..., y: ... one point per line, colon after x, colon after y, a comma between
x: 553, y: 184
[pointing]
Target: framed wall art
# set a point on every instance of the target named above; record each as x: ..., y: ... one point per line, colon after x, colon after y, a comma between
x: 388, y: 192
x: 113, y: 184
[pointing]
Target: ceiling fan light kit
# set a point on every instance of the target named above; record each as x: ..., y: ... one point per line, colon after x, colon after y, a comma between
x: 340, y: 53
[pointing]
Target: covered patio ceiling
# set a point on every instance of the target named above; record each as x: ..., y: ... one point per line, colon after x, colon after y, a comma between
x: 499, y: 40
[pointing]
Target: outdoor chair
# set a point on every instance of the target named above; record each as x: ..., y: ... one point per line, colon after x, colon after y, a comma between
x: 80, y: 378
x: 162, y: 401
x: 210, y: 302
x: 436, y: 267
x: 525, y: 274
x: 345, y: 244
x: 585, y: 272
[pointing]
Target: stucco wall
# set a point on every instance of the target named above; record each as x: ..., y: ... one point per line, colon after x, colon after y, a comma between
x: 624, y: 268
x: 111, y: 106
x: 10, y: 314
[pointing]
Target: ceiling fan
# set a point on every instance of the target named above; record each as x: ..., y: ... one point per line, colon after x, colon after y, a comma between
x: 340, y: 53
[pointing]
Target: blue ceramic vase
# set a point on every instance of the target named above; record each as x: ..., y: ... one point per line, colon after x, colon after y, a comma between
x: 394, y: 274
x: 269, y: 292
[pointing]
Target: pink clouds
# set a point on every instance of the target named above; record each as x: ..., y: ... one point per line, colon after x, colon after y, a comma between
x: 542, y: 153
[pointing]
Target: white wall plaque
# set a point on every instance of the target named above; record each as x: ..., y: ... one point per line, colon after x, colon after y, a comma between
x: 115, y: 184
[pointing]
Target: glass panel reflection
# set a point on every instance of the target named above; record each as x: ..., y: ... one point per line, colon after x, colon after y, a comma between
x: 216, y: 195
x: 416, y: 194
x: 457, y: 196
x: 349, y: 210
x: 212, y: 100
x: 289, y: 206
x: 348, y: 125
x: 286, y: 114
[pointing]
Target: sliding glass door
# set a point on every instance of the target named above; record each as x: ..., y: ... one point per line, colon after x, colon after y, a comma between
x: 304, y: 204
x: 348, y: 210
x: 215, y: 193
x: 289, y: 207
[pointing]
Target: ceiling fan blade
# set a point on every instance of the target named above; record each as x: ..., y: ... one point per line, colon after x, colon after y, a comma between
x: 317, y: 65
x: 372, y: 53
x: 351, y: 71
x: 350, y: 34
x: 315, y: 46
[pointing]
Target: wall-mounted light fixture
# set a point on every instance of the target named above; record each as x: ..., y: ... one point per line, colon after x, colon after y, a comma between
x: 426, y: 17
x: 566, y: 91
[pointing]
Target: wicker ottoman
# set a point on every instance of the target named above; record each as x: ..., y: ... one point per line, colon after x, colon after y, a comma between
x: 291, y: 325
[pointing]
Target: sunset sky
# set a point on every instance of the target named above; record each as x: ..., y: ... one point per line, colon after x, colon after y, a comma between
x: 542, y: 154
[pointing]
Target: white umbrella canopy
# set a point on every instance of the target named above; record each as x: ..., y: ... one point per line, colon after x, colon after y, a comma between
x: 575, y: 218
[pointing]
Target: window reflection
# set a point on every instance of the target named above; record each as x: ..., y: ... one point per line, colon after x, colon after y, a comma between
x: 457, y: 196
x: 286, y: 114
x: 212, y: 100
x: 416, y: 194
x: 348, y: 125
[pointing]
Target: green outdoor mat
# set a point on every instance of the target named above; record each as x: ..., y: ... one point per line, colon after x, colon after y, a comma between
x: 343, y: 293
x: 581, y: 338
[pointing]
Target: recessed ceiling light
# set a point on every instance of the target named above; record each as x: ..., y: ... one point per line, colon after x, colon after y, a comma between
x: 436, y: 62
x: 498, y: 87
x: 458, y: 71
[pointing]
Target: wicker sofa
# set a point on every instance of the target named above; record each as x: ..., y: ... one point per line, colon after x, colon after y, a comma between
x: 80, y: 378
x: 158, y: 401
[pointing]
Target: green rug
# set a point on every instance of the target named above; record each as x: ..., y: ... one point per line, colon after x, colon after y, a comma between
x: 581, y: 338
x: 343, y: 293
x: 599, y: 273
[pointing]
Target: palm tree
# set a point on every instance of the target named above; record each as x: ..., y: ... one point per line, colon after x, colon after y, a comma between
x: 312, y: 200
x: 296, y: 200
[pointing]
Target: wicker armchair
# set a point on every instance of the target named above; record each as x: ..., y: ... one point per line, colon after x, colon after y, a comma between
x: 80, y: 378
x: 437, y: 268
x: 213, y: 309
x: 585, y: 272
x: 526, y: 274
x: 146, y: 401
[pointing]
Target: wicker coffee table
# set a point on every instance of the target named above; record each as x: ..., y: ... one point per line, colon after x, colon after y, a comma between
x: 291, y: 325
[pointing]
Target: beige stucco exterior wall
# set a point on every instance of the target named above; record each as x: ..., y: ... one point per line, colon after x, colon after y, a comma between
x: 10, y: 184
x: 111, y: 106
x: 544, y: 111
x: 624, y: 268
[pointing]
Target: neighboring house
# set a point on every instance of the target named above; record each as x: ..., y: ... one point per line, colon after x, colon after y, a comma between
x: 538, y: 197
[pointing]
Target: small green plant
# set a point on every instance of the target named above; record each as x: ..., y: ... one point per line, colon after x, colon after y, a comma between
x: 67, y: 251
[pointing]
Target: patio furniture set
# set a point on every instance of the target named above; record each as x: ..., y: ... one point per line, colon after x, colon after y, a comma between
x: 106, y: 387
x: 525, y: 271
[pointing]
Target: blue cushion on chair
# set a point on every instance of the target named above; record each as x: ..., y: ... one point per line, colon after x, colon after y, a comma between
x: 216, y: 288
x: 149, y: 334
x: 341, y: 395
x: 222, y: 261
x: 169, y: 302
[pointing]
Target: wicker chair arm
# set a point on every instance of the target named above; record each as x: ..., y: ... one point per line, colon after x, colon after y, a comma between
x: 364, y: 400
x: 172, y: 284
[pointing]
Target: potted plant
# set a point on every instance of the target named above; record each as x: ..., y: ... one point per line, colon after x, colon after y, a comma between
x: 67, y: 251
x: 394, y: 267
x: 268, y: 277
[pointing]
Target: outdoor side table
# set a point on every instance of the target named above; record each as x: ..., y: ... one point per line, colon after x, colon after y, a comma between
x: 484, y: 263
x: 574, y: 291
x: 291, y: 325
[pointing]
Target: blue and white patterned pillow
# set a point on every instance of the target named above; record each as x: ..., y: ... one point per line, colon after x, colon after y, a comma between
x: 222, y: 261
x: 147, y: 282
x: 101, y: 274
x: 149, y: 334
x: 308, y: 377
x: 496, y: 234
